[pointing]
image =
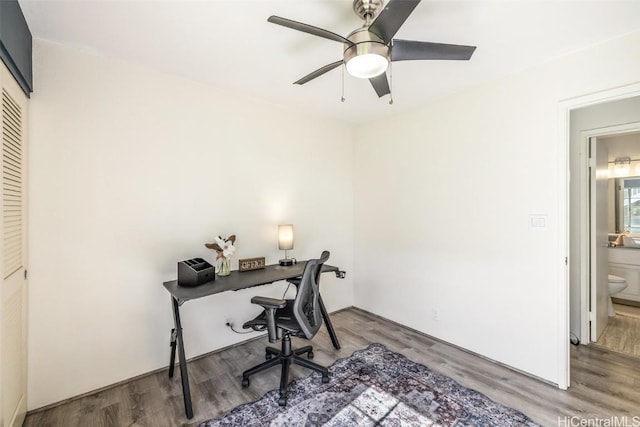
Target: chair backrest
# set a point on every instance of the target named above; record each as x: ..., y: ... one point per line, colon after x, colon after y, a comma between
x: 306, y: 307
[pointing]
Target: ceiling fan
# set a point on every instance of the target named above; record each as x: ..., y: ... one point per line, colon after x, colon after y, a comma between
x: 369, y: 49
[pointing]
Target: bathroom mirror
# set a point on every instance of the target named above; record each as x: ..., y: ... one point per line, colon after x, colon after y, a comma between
x: 624, y: 205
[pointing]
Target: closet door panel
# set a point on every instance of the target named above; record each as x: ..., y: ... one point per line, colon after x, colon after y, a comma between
x: 13, y: 254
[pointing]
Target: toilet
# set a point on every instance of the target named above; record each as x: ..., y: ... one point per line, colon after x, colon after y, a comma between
x: 616, y: 284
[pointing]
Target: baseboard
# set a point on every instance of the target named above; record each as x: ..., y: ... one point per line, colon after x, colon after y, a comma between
x: 155, y: 371
x: 261, y: 336
x: 146, y: 374
x: 625, y: 302
x: 431, y: 337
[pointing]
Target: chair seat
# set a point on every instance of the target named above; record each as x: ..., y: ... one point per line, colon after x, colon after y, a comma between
x: 285, y: 319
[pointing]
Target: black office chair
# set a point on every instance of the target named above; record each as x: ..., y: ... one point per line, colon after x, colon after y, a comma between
x: 299, y: 317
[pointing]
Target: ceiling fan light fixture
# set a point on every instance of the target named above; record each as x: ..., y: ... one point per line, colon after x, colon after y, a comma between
x: 367, y: 56
x: 367, y: 65
x: 367, y: 50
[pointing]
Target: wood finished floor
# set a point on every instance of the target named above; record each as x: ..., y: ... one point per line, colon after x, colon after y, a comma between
x: 623, y: 331
x: 603, y: 383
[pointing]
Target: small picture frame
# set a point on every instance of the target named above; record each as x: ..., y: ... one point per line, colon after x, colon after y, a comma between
x: 248, y: 264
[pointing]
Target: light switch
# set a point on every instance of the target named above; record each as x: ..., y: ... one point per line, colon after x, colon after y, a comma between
x: 538, y: 222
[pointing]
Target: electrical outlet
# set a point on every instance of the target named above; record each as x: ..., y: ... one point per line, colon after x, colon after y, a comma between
x: 435, y: 315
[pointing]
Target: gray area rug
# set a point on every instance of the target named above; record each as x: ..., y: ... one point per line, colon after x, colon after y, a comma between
x: 375, y: 387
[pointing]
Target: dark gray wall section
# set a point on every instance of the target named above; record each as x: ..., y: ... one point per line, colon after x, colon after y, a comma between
x: 15, y: 43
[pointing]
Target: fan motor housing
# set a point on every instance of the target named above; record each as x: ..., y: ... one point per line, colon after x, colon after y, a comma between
x: 364, y: 42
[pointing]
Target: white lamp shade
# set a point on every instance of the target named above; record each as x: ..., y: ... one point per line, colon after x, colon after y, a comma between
x: 367, y: 65
x: 285, y: 237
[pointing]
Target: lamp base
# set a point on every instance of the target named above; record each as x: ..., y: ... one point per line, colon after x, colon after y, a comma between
x: 287, y: 262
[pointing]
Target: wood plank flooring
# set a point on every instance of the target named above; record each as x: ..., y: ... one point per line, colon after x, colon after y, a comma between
x: 623, y: 331
x: 604, y: 384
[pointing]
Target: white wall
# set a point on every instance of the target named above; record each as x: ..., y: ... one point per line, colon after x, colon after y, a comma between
x: 442, y: 203
x: 132, y: 171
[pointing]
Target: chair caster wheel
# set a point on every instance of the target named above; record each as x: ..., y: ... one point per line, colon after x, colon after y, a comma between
x: 325, y: 379
x: 310, y: 355
x: 282, y: 401
x: 245, y: 382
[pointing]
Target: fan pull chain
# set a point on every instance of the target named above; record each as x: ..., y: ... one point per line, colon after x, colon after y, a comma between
x: 342, y: 98
x: 390, y: 83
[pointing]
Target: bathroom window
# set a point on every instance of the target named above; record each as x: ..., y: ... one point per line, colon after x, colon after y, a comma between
x: 630, y: 204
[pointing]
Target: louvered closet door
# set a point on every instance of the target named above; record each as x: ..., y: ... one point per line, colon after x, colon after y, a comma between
x: 13, y: 294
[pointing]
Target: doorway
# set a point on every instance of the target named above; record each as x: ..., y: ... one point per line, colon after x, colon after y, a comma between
x: 578, y: 117
x: 602, y: 212
x: 614, y: 199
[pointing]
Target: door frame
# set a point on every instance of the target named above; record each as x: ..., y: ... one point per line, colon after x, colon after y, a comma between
x: 563, y: 202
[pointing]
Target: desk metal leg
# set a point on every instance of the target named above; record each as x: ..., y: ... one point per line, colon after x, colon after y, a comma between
x: 186, y: 391
x: 172, y: 358
x: 327, y: 321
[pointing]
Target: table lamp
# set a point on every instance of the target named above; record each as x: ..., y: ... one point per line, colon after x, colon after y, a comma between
x: 285, y: 242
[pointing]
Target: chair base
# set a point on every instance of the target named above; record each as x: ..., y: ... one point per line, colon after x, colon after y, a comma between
x: 286, y: 357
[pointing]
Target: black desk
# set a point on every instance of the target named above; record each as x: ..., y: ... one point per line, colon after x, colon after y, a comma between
x: 235, y: 281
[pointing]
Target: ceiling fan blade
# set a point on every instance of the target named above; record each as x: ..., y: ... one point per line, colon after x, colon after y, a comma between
x: 391, y: 18
x: 318, y: 72
x: 309, y: 29
x: 406, y: 50
x: 380, y: 84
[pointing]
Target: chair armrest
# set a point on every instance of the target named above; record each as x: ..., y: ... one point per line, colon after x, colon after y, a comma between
x: 270, y: 306
x: 266, y: 302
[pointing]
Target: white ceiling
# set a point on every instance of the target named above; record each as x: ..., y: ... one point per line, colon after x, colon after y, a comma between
x: 230, y: 44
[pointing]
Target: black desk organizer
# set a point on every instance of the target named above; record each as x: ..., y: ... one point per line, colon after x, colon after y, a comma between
x: 194, y: 272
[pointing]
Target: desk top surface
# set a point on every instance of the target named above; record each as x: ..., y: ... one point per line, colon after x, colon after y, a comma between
x: 240, y: 280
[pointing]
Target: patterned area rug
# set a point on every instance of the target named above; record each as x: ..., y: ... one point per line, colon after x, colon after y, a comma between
x: 375, y: 387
